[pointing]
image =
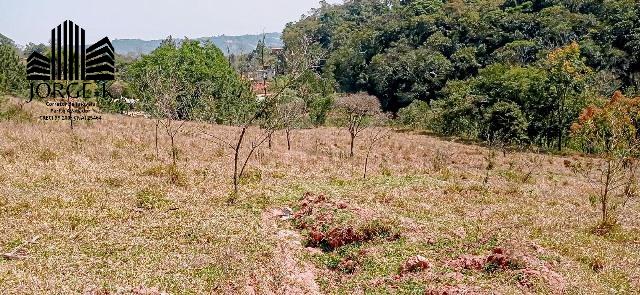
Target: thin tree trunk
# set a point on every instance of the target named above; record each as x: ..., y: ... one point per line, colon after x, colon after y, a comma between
x: 366, y: 164
x: 353, y: 138
x: 560, y: 134
x: 174, y: 153
x: 560, y: 121
x: 288, y: 139
x: 236, y: 158
x: 157, y: 149
x: 605, y: 195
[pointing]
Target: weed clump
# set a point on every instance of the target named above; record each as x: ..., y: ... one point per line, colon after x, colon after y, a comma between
x: 440, y: 161
x: 149, y: 199
x: 12, y: 112
x: 156, y: 171
x: 171, y: 171
x: 251, y: 176
x: 8, y: 154
x: 47, y: 155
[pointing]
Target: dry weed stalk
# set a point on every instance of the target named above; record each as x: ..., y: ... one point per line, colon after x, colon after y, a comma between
x: 377, y: 135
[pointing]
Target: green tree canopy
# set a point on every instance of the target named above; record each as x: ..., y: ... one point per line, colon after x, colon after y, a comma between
x: 207, y: 87
x: 12, y: 71
x: 393, y: 48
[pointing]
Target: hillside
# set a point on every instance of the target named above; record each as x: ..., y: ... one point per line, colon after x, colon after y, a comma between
x: 97, y: 201
x: 4, y: 40
x: 416, y: 50
x: 235, y: 44
x: 535, y: 65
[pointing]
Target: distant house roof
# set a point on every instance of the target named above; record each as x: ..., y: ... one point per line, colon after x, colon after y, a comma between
x: 259, y: 87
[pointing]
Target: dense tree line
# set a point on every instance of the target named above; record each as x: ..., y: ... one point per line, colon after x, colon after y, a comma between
x: 12, y: 70
x: 510, y: 70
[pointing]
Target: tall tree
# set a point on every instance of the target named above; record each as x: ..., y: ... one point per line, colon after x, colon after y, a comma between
x: 568, y: 75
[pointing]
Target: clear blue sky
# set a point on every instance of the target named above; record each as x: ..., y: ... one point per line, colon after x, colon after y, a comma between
x: 31, y: 20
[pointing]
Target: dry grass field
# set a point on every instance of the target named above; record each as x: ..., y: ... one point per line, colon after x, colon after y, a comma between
x: 93, y: 211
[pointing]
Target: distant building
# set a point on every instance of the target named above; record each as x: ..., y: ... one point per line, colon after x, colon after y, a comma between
x: 259, y: 87
x: 260, y: 78
x: 260, y: 75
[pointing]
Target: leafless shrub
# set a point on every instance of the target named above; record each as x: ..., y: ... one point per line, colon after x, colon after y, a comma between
x: 166, y: 91
x: 361, y: 110
x: 532, y: 167
x: 616, y: 183
x: 241, y: 160
x: 291, y: 116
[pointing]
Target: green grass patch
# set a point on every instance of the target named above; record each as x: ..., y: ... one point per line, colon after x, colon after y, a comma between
x: 150, y: 198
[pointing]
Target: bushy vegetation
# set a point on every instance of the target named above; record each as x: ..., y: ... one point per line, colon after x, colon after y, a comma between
x: 12, y: 111
x: 198, y: 80
x: 12, y: 81
x: 471, y: 59
x: 12, y: 71
x: 358, y: 111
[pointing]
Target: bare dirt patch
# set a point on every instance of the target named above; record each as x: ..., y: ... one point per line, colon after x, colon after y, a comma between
x: 299, y: 275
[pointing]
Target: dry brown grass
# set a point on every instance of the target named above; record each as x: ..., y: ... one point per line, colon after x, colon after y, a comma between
x: 108, y: 217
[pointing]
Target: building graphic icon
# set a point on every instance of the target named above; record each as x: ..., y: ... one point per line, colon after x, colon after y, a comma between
x: 71, y: 59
